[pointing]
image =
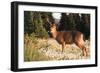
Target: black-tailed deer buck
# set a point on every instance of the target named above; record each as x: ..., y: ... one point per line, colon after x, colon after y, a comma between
x: 68, y: 37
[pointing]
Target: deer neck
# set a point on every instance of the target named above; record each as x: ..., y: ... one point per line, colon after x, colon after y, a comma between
x: 54, y: 34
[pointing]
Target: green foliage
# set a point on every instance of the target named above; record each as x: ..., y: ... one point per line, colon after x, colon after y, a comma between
x: 28, y: 22
x: 31, y: 49
x: 33, y: 55
x: 63, y: 22
x: 69, y: 22
x: 39, y: 29
x: 85, y: 21
x: 35, y: 22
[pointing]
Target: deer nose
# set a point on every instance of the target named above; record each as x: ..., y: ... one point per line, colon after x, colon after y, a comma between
x: 49, y: 32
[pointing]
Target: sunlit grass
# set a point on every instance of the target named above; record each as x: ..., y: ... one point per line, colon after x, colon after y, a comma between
x: 36, y: 49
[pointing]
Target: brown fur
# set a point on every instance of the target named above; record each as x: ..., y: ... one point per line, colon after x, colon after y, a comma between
x: 68, y: 37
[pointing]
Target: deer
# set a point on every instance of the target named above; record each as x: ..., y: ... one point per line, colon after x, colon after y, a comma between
x: 68, y: 37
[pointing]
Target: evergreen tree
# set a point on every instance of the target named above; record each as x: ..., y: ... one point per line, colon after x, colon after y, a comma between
x: 85, y: 21
x: 36, y: 23
x: 28, y: 22
x: 39, y: 30
x: 63, y: 22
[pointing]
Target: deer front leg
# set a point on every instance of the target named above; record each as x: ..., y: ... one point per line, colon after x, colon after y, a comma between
x: 63, y: 46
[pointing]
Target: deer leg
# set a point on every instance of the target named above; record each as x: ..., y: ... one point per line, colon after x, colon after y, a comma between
x: 81, y: 44
x: 84, y: 50
x: 63, y: 46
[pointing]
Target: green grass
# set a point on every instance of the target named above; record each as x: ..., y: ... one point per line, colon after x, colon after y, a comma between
x: 31, y: 50
x: 33, y: 55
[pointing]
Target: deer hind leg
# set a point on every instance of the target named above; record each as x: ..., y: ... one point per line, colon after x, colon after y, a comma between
x: 84, y: 49
x: 82, y: 46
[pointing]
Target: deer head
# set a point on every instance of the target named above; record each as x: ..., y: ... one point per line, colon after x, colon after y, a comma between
x: 53, y: 28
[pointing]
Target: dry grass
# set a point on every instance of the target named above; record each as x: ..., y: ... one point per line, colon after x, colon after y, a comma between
x: 49, y: 49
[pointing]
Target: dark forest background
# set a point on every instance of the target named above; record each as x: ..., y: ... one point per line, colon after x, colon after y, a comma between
x: 36, y: 25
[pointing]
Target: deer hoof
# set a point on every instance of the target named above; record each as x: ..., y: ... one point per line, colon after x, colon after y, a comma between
x: 85, y: 54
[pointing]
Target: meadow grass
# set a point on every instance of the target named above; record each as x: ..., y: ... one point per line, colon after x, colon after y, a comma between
x: 31, y: 50
x: 36, y: 49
